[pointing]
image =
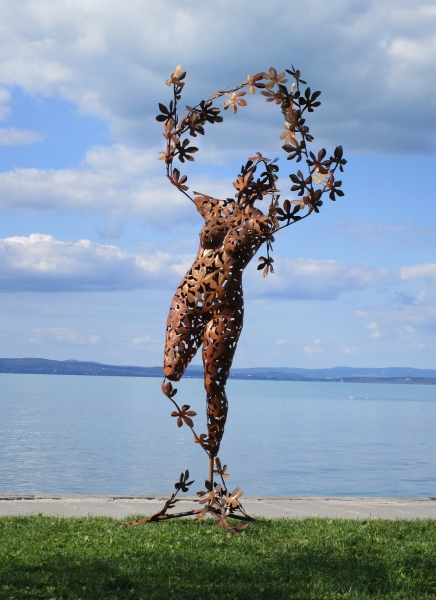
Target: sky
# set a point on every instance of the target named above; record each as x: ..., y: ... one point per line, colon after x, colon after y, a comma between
x: 93, y: 238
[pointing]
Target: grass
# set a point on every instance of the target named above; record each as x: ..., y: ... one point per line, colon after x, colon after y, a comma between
x: 96, y: 558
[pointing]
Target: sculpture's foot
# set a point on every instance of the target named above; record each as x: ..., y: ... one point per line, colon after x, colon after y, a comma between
x: 219, y: 513
x: 159, y: 516
x: 217, y: 502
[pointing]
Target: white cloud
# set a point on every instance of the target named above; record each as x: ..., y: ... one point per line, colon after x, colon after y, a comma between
x: 371, y: 232
x: 375, y: 331
x: 40, y: 262
x: 374, y: 61
x: 427, y: 271
x: 395, y: 320
x: 5, y: 101
x: 115, y: 181
x: 302, y: 278
x: 62, y: 334
x: 19, y: 137
x: 351, y: 349
x: 141, y: 340
x: 314, y: 348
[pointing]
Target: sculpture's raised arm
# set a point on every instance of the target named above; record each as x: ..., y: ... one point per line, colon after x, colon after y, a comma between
x: 294, y: 103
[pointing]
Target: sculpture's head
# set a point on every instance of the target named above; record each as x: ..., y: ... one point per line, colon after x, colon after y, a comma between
x: 208, y: 207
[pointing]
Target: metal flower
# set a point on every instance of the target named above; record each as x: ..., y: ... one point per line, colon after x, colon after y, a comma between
x: 184, y: 151
x: 274, y: 78
x: 178, y: 181
x: 184, y: 416
x: 235, y: 99
x: 177, y: 77
x: 288, y: 136
x: 219, y: 470
x: 232, y: 499
x: 266, y: 265
x: 254, y: 82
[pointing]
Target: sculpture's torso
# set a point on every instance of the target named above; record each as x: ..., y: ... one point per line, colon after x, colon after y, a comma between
x: 228, y: 241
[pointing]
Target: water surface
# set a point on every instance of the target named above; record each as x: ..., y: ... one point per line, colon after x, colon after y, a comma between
x: 115, y: 435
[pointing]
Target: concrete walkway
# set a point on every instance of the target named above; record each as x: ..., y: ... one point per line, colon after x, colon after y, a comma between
x: 121, y: 507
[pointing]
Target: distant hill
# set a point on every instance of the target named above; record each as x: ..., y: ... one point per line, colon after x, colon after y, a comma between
x: 346, y: 374
x: 340, y: 372
x: 43, y: 366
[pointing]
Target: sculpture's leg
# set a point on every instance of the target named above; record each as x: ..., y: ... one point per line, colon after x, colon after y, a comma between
x: 184, y: 334
x: 185, y: 329
x: 219, y: 344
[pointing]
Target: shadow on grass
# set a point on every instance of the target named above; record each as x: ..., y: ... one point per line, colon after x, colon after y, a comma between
x: 161, y: 561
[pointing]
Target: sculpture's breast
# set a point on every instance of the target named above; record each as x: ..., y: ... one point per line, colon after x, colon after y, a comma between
x: 213, y: 233
x: 244, y: 237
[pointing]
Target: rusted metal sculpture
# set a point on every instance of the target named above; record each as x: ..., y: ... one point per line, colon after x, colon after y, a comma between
x: 207, y: 308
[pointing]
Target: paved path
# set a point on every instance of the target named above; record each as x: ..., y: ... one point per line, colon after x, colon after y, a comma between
x: 121, y: 507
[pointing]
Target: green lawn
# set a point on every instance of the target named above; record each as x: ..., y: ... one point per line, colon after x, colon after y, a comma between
x: 45, y: 557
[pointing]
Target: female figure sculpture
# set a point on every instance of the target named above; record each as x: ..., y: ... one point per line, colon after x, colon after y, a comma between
x: 207, y: 308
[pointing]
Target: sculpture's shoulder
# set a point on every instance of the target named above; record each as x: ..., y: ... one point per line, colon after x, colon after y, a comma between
x: 250, y: 217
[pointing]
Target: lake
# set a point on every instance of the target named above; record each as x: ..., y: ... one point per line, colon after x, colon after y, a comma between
x: 115, y: 435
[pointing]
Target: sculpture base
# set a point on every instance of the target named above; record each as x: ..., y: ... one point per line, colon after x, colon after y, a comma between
x: 217, y: 502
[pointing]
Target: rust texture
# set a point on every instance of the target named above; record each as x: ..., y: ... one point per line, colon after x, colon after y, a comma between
x: 207, y: 309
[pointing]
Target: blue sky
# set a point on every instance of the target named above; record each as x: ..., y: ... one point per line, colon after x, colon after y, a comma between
x: 94, y: 240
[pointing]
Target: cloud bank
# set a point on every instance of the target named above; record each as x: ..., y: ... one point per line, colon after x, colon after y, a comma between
x: 42, y: 263
x: 374, y: 61
x: 302, y: 278
x: 115, y: 181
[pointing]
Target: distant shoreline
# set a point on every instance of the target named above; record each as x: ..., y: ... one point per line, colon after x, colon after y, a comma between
x: 399, y: 375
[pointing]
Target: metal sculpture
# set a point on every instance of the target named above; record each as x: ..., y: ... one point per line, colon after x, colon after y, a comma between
x: 207, y: 308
